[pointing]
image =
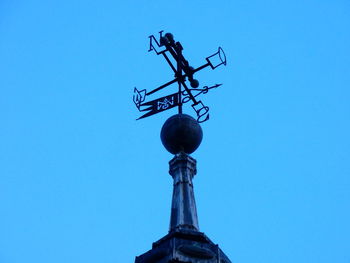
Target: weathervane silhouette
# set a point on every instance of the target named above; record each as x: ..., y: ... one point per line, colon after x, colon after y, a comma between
x: 181, y: 135
x: 183, y: 73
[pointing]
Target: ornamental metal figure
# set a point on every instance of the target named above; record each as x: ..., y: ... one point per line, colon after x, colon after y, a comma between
x: 183, y: 72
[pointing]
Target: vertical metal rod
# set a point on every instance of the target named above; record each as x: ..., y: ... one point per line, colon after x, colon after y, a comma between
x: 179, y: 77
x: 180, y: 102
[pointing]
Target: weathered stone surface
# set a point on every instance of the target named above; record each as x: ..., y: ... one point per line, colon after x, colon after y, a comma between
x: 184, y: 243
x: 183, y: 207
x: 184, y: 246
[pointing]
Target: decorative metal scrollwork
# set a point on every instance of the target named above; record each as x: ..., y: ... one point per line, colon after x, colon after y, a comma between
x: 183, y: 72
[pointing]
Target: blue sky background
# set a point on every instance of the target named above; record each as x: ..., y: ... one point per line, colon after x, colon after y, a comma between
x: 82, y: 181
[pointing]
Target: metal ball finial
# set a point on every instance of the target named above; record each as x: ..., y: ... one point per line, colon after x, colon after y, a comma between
x: 181, y: 133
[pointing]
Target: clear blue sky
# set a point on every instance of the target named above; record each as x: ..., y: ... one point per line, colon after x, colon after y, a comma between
x: 82, y: 181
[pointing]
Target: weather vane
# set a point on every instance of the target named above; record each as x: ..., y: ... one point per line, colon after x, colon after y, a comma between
x: 183, y: 73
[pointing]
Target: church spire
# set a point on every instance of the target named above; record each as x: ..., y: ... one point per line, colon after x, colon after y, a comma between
x: 183, y: 208
x: 181, y: 135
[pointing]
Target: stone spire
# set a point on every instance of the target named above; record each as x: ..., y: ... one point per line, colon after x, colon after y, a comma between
x: 183, y: 208
x: 181, y: 135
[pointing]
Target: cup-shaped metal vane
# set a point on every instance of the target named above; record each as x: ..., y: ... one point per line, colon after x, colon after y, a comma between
x: 217, y: 59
